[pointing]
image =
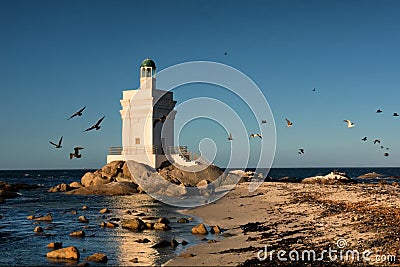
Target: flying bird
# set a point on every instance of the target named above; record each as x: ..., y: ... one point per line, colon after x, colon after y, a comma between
x: 288, y: 123
x: 349, y: 123
x: 95, y: 126
x: 364, y: 139
x: 386, y: 154
x: 313, y: 89
x: 230, y: 137
x: 377, y: 141
x: 382, y: 147
x: 76, y: 153
x: 59, y: 143
x: 379, y: 111
x: 226, y: 53
x: 255, y: 135
x: 301, y: 151
x: 78, y: 113
x: 263, y: 121
x: 162, y: 119
x: 395, y: 114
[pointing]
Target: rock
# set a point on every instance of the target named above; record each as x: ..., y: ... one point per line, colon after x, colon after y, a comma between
x: 2, y: 200
x: 199, y: 229
x: 75, y: 185
x: 83, y: 264
x: 187, y: 255
x: 38, y: 229
x: 149, y: 225
x: 163, y: 220
x: 174, y: 243
x: 111, y: 188
x: 134, y: 260
x: 174, y: 190
x: 97, y: 257
x: 161, y: 226
x: 90, y: 178
x: 55, y: 245
x: 183, y: 220
x: 71, y: 253
x: 205, y: 187
x: 8, y: 194
x: 134, y: 224
x: 111, y: 225
x: 85, y: 207
x: 73, y: 212
x: 78, y: 234
x: 144, y: 240
x: 184, y: 242
x: 215, y: 229
x: 105, y: 210
x: 203, y: 183
x: 60, y: 188
x: 47, y: 218
x: 371, y: 175
x: 83, y: 219
x: 162, y: 244
x: 31, y: 217
x: 288, y: 179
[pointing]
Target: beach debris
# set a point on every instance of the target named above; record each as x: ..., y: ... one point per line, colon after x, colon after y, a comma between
x: 55, y: 245
x: 58, y: 145
x: 199, y: 229
x: 256, y: 135
x: 161, y: 119
x: 288, y: 123
x: 349, y: 123
x: 71, y: 253
x: 97, y: 257
x: 47, y: 218
x: 83, y: 219
x: 80, y: 233
x: 38, y: 229
x: 76, y: 153
x: 134, y: 224
x: 95, y: 126
x: 230, y: 137
x: 78, y: 113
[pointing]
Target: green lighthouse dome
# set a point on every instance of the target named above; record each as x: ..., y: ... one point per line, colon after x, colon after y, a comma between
x: 148, y: 63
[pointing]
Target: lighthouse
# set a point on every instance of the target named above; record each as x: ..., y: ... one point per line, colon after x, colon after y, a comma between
x: 147, y: 121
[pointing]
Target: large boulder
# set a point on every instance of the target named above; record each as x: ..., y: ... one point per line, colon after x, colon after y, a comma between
x: 190, y: 175
x: 97, y: 257
x: 199, y: 229
x: 333, y: 177
x: 70, y: 253
x: 370, y: 175
x: 113, y: 188
x: 134, y: 224
x: 60, y: 188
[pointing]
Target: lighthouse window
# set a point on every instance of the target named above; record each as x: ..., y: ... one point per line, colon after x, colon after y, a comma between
x: 137, y: 141
x: 148, y: 72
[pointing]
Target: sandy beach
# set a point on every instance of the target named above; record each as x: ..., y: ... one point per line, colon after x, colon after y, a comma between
x: 301, y: 224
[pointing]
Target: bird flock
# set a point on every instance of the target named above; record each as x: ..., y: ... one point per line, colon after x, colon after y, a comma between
x: 76, y: 153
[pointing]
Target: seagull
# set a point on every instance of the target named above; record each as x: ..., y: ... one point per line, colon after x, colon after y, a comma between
x: 59, y: 143
x: 263, y: 121
x: 230, y: 137
x: 95, y: 126
x: 386, y: 154
x: 288, y: 123
x: 364, y: 139
x: 379, y: 111
x: 301, y: 151
x: 313, y: 89
x: 76, y: 153
x: 78, y: 113
x: 256, y: 135
x: 349, y: 123
x: 162, y: 119
x: 382, y: 147
x: 226, y: 53
x: 395, y: 114
x: 377, y: 141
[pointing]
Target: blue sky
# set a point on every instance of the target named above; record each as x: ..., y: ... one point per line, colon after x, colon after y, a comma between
x: 58, y: 56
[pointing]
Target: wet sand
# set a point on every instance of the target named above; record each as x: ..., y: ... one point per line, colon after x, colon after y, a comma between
x: 359, y: 224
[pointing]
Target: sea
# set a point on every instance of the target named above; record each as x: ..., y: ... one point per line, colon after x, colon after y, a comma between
x: 21, y: 246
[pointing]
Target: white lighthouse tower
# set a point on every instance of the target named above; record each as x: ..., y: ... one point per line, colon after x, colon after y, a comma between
x: 148, y: 121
